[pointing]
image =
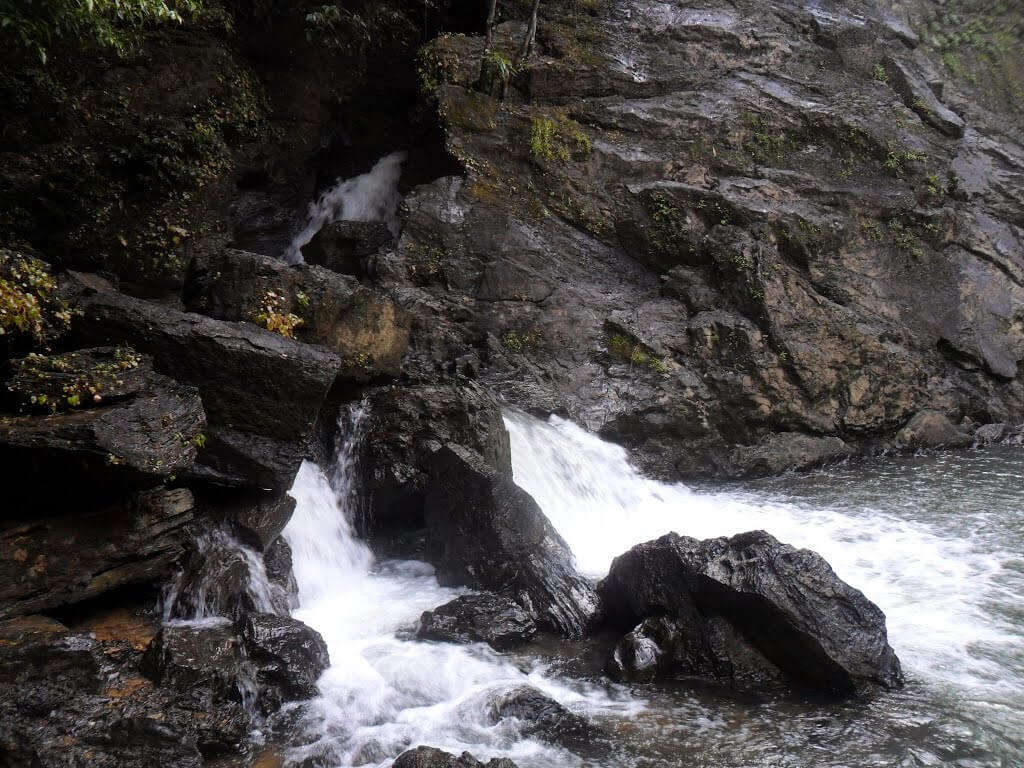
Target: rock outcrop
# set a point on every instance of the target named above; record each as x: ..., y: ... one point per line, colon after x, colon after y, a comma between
x: 730, y: 604
x: 431, y: 757
x: 488, y: 618
x: 488, y: 533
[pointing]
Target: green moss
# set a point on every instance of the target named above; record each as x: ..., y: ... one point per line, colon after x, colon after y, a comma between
x: 558, y: 139
x: 879, y: 73
x: 515, y: 341
x: 635, y: 354
x: 469, y: 110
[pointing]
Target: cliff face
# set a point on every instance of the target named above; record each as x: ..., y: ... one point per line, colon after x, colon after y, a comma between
x: 718, y: 231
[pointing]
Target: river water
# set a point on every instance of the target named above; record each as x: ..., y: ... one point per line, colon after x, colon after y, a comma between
x: 936, y: 541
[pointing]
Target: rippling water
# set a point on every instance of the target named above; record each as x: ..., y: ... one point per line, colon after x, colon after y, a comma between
x: 936, y: 541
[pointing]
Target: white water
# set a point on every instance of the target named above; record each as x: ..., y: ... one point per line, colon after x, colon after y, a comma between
x: 372, y: 196
x: 385, y: 692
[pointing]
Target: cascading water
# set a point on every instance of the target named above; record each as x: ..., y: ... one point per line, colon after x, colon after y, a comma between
x: 939, y: 551
x: 372, y: 196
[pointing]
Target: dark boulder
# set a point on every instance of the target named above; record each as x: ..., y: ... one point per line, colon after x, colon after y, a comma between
x: 430, y: 757
x: 482, y: 618
x: 255, y: 518
x: 364, y: 328
x: 206, y: 658
x: 405, y: 426
x: 278, y: 563
x: 931, y: 429
x: 50, y: 562
x: 488, y: 533
x: 111, y: 424
x: 261, y: 391
x: 288, y: 657
x: 542, y: 717
x: 222, y: 577
x: 751, y: 590
x: 345, y: 246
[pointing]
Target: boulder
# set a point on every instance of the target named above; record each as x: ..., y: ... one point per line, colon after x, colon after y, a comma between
x: 345, y: 246
x: 406, y: 425
x: 430, y: 757
x: 364, y: 328
x: 222, y: 577
x: 50, y: 562
x: 278, y: 562
x: 788, y: 450
x: 488, y: 533
x: 542, y: 717
x: 111, y: 424
x: 288, y: 657
x: 931, y: 429
x: 206, y: 658
x: 255, y: 518
x: 482, y: 618
x: 261, y: 391
x: 785, y: 604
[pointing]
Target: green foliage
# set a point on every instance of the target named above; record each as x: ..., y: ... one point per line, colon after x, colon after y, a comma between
x: 273, y: 315
x: 436, y: 64
x: 518, y: 342
x: 635, y: 354
x: 557, y: 139
x: 377, y: 26
x: 37, y: 24
x: 30, y: 314
x: 880, y: 74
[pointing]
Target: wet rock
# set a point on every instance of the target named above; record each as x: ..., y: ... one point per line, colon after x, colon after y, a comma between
x: 344, y: 246
x: 261, y: 391
x: 488, y: 533
x: 34, y: 649
x: 751, y: 590
x: 430, y: 757
x: 221, y: 577
x: 483, y: 618
x: 364, y: 328
x: 991, y: 433
x: 111, y: 424
x: 910, y: 81
x: 288, y: 657
x: 50, y: 562
x: 206, y: 659
x: 542, y: 717
x: 405, y: 426
x: 139, y: 742
x: 278, y: 562
x: 931, y: 429
x: 255, y: 518
x: 788, y: 450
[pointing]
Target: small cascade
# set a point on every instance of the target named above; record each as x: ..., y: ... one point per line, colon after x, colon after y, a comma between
x: 372, y: 196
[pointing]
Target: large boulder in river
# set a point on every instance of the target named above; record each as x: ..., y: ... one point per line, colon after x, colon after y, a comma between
x: 488, y: 533
x: 96, y: 422
x: 931, y: 429
x: 751, y: 596
x: 481, y: 618
x: 431, y: 757
x: 49, y: 562
x: 262, y: 392
x: 363, y: 327
x: 287, y: 655
x: 542, y: 717
x: 406, y: 425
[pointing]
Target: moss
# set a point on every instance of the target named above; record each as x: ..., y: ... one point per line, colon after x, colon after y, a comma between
x: 515, y: 341
x: 557, y: 138
x: 469, y: 110
x: 879, y: 73
x: 635, y: 353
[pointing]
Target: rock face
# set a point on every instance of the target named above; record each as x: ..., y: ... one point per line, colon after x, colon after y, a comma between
x: 731, y: 602
x: 488, y: 533
x: 111, y: 421
x: 364, y: 329
x: 346, y: 246
x: 485, y: 618
x: 55, y: 561
x: 772, y: 221
x: 931, y: 429
x: 261, y: 391
x: 406, y: 426
x: 430, y: 757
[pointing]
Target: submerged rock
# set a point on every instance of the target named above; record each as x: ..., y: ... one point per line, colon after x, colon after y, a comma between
x: 542, y: 717
x: 741, y: 607
x: 488, y: 533
x: 931, y: 429
x: 55, y: 561
x: 430, y: 757
x: 483, y: 618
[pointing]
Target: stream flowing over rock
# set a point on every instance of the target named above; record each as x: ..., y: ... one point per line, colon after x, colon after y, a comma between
x: 737, y: 604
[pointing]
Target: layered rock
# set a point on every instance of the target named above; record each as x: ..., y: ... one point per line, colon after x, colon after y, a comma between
x: 261, y: 391
x: 482, y: 618
x: 734, y: 604
x: 488, y: 533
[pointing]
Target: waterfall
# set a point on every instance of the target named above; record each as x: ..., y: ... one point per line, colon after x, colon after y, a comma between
x: 372, y: 196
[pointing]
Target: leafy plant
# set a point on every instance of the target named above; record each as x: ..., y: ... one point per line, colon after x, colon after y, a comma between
x: 38, y: 24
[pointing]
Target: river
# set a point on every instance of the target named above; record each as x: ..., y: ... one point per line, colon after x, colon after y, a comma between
x: 937, y: 541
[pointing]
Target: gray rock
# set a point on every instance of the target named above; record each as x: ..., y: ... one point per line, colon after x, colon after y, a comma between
x: 931, y: 429
x: 991, y: 433
x: 542, y: 717
x: 737, y: 601
x: 788, y: 450
x: 482, y: 618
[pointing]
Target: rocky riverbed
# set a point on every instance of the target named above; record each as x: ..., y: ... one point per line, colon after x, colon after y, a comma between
x: 277, y: 281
